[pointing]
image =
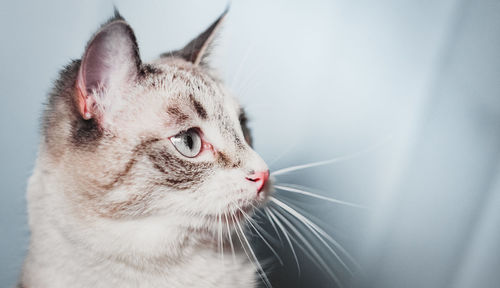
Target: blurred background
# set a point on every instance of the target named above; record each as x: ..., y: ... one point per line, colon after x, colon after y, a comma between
x: 409, y: 89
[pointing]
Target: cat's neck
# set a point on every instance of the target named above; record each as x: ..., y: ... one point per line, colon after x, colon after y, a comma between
x: 61, y: 254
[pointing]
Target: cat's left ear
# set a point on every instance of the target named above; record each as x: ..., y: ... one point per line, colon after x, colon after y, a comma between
x: 198, y: 49
x: 110, y: 65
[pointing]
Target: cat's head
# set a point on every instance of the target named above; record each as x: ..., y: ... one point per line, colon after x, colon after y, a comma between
x: 162, y: 140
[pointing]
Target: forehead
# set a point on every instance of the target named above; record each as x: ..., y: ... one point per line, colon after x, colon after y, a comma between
x: 180, y: 81
x: 188, y: 96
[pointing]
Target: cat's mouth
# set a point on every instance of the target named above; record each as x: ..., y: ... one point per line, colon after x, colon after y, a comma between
x: 240, y: 211
x: 234, y: 214
x: 243, y: 213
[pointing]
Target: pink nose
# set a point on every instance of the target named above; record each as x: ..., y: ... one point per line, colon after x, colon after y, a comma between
x: 260, y: 178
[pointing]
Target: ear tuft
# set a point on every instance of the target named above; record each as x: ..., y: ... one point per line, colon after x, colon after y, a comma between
x: 111, y: 62
x: 117, y: 16
x: 198, y: 49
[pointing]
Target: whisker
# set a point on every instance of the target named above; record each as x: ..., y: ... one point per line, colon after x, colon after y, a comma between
x: 331, y: 161
x: 221, y: 240
x: 250, y: 81
x: 282, y: 154
x: 259, y: 267
x: 230, y: 238
x: 239, y: 208
x: 263, y: 238
x: 238, y: 70
x: 316, y: 229
x: 284, y: 230
x: 300, y: 190
x: 310, y: 248
x: 274, y: 225
x: 260, y: 215
x: 239, y: 238
x: 328, y: 247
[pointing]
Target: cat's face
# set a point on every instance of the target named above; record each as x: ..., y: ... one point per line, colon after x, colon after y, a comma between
x: 163, y: 139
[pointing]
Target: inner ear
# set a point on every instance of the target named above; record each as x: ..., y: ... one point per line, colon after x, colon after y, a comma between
x: 111, y: 62
x: 199, y: 48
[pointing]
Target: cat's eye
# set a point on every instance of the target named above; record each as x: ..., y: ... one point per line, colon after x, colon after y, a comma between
x: 188, y: 142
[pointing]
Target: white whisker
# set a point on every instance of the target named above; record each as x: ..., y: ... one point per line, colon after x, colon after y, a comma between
x: 220, y: 237
x: 283, y: 153
x: 230, y: 238
x: 251, y: 81
x: 243, y: 60
x: 331, y: 161
x: 297, y: 190
x: 249, y: 218
x: 262, y: 237
x: 327, y: 246
x: 239, y: 238
x: 264, y: 219
x: 316, y: 229
x: 274, y: 225
x: 287, y: 237
x: 311, y: 249
x: 256, y: 262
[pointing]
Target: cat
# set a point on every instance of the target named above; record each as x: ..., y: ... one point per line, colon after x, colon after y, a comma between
x: 144, y: 172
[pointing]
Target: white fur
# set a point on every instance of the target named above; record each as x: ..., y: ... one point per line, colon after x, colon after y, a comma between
x: 68, y: 250
x: 174, y: 246
x: 160, y: 235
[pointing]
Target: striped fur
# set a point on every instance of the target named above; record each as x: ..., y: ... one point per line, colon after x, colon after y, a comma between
x: 112, y: 203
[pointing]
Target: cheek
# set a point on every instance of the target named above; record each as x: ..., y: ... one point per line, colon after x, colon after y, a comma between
x: 221, y: 190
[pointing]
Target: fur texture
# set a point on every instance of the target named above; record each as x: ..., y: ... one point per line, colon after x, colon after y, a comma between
x: 111, y: 202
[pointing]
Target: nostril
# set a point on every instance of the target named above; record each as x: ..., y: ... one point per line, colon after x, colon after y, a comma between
x: 253, y: 179
x: 260, y: 178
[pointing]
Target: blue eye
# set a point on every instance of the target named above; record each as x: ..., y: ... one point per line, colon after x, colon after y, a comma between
x: 188, y: 142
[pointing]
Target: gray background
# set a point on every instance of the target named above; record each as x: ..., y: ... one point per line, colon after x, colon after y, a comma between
x: 320, y: 79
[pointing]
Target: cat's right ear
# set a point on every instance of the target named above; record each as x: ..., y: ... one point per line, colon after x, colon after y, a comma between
x: 198, y: 49
x: 110, y: 64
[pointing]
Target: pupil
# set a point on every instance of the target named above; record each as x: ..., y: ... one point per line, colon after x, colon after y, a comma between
x: 189, y: 142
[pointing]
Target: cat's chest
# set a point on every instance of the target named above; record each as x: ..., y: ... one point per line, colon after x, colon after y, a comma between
x: 205, y: 268
x: 210, y: 269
